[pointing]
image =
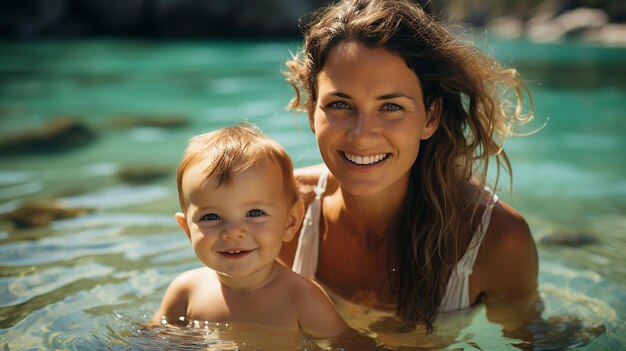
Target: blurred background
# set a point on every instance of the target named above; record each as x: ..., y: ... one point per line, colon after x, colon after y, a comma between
x: 542, y: 20
x: 98, y: 99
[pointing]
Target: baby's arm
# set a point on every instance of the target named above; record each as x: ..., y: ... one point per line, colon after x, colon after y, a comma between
x: 317, y: 314
x: 175, y: 301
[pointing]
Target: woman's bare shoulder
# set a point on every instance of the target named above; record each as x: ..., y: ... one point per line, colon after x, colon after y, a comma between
x: 509, y: 253
x: 310, y: 174
x: 307, y: 178
x: 508, y: 227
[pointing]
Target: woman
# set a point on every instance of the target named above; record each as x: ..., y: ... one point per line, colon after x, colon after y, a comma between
x: 406, y: 118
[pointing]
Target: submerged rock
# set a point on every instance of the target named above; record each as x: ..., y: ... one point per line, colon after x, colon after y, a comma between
x: 568, y: 239
x: 390, y: 325
x: 57, y: 135
x: 563, y: 332
x: 142, y: 174
x: 38, y: 214
x: 134, y: 121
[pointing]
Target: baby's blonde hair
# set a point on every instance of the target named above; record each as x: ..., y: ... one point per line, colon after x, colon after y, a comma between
x: 226, y: 152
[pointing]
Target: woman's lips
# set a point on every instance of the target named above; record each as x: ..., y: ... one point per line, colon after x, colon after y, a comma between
x: 365, y: 160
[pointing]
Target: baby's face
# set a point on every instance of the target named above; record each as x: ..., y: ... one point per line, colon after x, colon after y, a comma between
x: 238, y: 229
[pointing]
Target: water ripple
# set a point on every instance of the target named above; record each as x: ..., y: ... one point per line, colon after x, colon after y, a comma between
x: 14, y: 177
x: 93, y: 242
x: 101, y: 169
x: 120, y: 219
x: 26, y: 287
x: 117, y: 196
x: 21, y: 190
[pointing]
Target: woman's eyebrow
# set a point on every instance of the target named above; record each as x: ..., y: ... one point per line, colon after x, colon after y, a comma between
x: 393, y: 96
x: 338, y: 94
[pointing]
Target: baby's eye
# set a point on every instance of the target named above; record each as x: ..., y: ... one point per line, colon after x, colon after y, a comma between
x: 391, y: 107
x: 255, y: 213
x: 338, y: 105
x: 210, y: 217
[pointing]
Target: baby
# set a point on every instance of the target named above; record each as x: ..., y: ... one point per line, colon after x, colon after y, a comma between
x: 239, y: 202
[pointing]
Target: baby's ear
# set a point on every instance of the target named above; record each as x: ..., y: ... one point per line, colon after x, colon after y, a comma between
x: 294, y: 220
x: 182, y: 223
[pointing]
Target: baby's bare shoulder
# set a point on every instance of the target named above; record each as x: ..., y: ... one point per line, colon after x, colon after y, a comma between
x: 192, y: 280
x: 178, y: 295
x: 316, y: 312
x: 191, y: 276
x: 297, y: 285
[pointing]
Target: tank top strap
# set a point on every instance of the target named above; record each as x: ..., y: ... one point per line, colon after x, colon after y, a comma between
x: 469, y: 258
x: 456, y: 295
x: 321, y: 185
x: 307, y: 253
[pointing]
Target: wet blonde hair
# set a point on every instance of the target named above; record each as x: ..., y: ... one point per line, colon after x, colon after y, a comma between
x: 478, y: 102
x: 229, y: 151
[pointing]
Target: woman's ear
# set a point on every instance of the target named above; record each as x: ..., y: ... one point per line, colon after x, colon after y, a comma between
x: 294, y: 220
x: 311, y: 124
x: 182, y: 223
x: 433, y: 118
x: 311, y: 111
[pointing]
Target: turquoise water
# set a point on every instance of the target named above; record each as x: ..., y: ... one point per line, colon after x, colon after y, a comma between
x: 92, y: 282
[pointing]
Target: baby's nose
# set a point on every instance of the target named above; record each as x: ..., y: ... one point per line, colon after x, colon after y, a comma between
x: 233, y: 231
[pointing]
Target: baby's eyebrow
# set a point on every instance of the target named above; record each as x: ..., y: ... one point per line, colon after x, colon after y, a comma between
x: 207, y: 208
x: 259, y: 204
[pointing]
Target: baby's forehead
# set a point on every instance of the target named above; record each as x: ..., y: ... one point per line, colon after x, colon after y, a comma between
x: 209, y: 172
x: 264, y: 181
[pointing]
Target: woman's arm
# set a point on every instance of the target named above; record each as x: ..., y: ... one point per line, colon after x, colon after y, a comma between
x: 509, y: 270
x: 509, y: 281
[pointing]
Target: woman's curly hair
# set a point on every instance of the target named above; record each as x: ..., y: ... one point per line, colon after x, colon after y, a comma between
x: 478, y: 102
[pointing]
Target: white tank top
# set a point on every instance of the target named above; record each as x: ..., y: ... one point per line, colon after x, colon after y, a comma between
x: 457, y: 291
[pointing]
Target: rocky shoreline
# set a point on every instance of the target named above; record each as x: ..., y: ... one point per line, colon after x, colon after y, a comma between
x: 584, y: 23
x: 601, y: 21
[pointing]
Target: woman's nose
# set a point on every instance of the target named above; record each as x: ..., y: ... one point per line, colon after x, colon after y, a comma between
x: 363, y: 125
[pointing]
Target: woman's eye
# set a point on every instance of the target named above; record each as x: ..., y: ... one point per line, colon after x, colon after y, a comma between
x: 210, y: 217
x: 339, y: 105
x: 391, y: 107
x: 255, y: 213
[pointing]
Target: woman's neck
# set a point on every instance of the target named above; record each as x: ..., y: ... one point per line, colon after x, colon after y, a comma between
x: 371, y: 216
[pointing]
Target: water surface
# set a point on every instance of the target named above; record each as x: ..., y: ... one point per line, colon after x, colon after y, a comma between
x: 92, y: 282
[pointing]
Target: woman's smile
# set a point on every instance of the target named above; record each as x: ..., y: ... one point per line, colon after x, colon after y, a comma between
x: 365, y: 160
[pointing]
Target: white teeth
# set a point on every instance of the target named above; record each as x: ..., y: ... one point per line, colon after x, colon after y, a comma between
x: 365, y: 160
x: 234, y: 252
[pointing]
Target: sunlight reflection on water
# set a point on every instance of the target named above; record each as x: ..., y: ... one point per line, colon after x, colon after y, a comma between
x: 92, y: 282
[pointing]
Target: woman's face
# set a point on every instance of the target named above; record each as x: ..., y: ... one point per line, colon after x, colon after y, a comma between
x: 369, y: 118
